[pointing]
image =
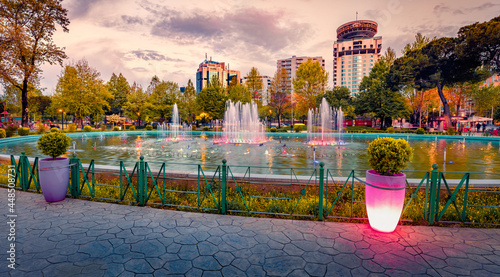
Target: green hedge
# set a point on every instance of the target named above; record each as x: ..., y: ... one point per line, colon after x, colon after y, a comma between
x: 23, y: 131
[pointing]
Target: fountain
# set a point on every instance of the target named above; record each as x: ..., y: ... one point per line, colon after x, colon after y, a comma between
x: 242, y: 124
x: 177, y: 130
x: 325, y: 125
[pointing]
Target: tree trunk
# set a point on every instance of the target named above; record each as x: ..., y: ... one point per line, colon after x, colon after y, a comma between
x: 279, y: 121
x: 446, y: 107
x: 24, y: 103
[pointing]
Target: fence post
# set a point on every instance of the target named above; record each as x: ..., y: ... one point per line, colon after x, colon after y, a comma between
x: 141, y: 180
x: 321, y: 188
x: 433, y: 191
x: 75, y: 176
x: 224, y: 187
x: 23, y: 160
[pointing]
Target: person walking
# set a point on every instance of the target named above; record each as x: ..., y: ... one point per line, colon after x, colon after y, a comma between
x: 484, y: 126
x: 478, y: 127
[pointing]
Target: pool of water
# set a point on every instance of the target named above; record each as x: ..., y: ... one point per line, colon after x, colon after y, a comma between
x: 281, y: 150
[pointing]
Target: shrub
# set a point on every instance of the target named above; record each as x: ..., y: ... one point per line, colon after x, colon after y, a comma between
x: 87, y: 128
x: 364, y: 131
x: 149, y: 127
x: 41, y: 128
x: 389, y: 156
x: 72, y: 127
x: 390, y: 130
x: 54, y: 144
x: 116, y: 128
x: 2, y: 133
x: 450, y: 131
x: 11, y: 130
x: 205, y: 128
x: 103, y: 127
x: 273, y: 129
x: 131, y: 128
x: 54, y: 129
x: 193, y: 127
x: 23, y: 131
x: 298, y: 128
x: 420, y: 131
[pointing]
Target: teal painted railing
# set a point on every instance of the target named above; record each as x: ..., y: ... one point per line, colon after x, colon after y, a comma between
x: 320, y: 194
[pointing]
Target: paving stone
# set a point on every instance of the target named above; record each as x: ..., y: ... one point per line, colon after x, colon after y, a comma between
x: 282, y: 266
x: 114, y: 269
x: 238, y: 242
x: 231, y: 271
x: 178, y: 267
x: 96, y: 249
x: 206, y: 263
x: 150, y: 248
x: 188, y: 252
x: 224, y: 258
x: 313, y: 269
x: 206, y: 248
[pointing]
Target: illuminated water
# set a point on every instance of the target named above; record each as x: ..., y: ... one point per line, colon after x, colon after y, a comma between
x: 279, y: 151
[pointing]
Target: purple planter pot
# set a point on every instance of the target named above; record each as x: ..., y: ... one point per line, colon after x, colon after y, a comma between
x: 384, y: 200
x: 54, y: 178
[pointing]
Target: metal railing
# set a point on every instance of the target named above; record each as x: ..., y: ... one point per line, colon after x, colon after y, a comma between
x: 321, y: 194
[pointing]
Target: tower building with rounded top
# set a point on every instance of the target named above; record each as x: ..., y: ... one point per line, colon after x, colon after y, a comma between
x: 355, y: 52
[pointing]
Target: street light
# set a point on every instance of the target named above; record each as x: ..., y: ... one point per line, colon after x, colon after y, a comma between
x: 62, y: 119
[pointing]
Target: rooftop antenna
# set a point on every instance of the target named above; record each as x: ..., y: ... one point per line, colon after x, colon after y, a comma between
x: 356, y: 16
x: 205, y: 56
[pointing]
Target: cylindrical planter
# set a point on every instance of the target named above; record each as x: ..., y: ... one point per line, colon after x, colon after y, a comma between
x: 54, y: 178
x: 384, y: 199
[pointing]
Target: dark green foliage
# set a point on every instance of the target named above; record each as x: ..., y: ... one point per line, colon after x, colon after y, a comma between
x: 11, y: 130
x: 389, y: 156
x: 131, y: 128
x: 390, y: 130
x: 212, y: 102
x: 54, y: 129
x: 87, y: 128
x: 420, y: 131
x: 450, y: 131
x: 378, y: 98
x: 149, y: 127
x: 116, y: 128
x: 273, y: 129
x: 205, y: 128
x: 23, y: 131
x: 54, y: 144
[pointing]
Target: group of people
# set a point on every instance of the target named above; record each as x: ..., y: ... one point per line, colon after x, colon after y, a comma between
x: 479, y: 126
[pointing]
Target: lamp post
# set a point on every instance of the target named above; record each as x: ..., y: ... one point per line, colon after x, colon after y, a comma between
x: 270, y: 120
x: 62, y: 119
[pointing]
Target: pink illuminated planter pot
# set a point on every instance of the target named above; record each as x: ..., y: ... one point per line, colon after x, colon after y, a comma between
x: 54, y: 178
x: 384, y: 199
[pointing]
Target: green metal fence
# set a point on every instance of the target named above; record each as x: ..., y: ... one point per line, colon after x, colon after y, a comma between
x: 323, y: 193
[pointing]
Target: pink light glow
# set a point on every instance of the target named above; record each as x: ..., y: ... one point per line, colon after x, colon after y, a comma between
x: 384, y: 207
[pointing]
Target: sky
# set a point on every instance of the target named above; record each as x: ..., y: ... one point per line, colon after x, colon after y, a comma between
x: 169, y: 38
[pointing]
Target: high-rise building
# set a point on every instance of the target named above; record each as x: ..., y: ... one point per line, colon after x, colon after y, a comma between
x: 492, y: 80
x: 292, y: 64
x: 264, y: 93
x: 354, y: 53
x: 209, y: 68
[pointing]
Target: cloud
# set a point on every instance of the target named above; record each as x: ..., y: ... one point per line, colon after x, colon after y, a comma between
x: 444, y: 9
x: 148, y: 55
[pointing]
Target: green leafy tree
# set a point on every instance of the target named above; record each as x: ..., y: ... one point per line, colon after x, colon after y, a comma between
x: 26, y: 42
x: 254, y: 83
x: 216, y: 84
x: 339, y: 97
x: 310, y: 81
x: 486, y: 99
x: 240, y: 93
x: 377, y: 97
x: 120, y: 89
x: 212, y: 102
x: 189, y: 108
x: 80, y: 91
x: 162, y: 99
x: 137, y: 103
x: 279, y: 95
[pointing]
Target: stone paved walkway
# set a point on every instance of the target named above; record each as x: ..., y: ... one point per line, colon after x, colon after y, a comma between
x: 84, y: 238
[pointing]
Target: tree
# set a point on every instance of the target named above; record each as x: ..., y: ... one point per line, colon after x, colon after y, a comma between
x: 279, y: 94
x: 216, y: 84
x: 309, y: 82
x: 162, y: 99
x: 80, y: 91
x: 189, y: 107
x: 137, y: 103
x: 390, y: 55
x: 240, y: 93
x: 212, y: 102
x: 376, y: 96
x: 120, y: 89
x: 254, y: 83
x: 26, y: 42
x: 152, y: 84
x: 339, y: 97
x: 486, y: 99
